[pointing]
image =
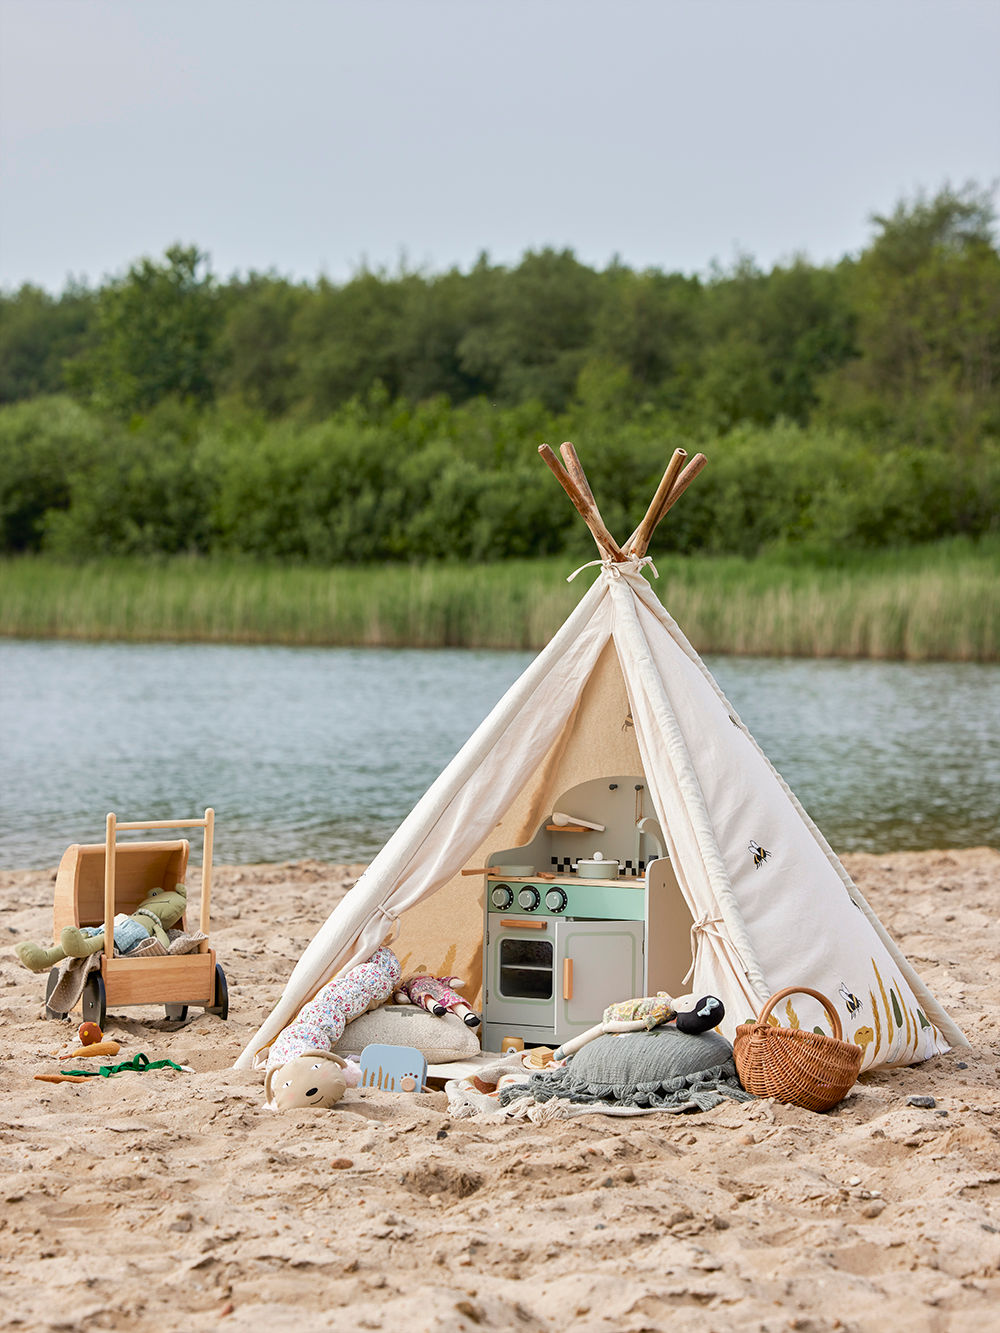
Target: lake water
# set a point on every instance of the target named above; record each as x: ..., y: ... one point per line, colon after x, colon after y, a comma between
x: 321, y: 752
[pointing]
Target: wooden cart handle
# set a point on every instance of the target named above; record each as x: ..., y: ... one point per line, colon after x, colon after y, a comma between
x: 109, y: 887
x: 167, y: 823
x: 567, y: 978
x: 804, y: 990
x: 113, y: 828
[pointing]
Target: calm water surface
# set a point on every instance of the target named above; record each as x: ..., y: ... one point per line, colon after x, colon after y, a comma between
x: 321, y: 752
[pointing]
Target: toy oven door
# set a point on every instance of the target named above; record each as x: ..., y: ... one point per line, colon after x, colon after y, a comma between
x: 521, y: 972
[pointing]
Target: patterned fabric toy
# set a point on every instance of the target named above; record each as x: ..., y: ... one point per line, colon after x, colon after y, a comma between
x: 650, y: 1011
x: 654, y: 1010
x: 435, y: 994
x: 692, y: 1015
x: 320, y: 1023
x: 153, y: 917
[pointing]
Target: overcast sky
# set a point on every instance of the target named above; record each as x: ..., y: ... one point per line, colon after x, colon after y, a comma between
x: 311, y: 136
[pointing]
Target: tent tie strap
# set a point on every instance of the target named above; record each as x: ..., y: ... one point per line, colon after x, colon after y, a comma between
x: 710, y: 925
x: 390, y: 918
x: 617, y: 569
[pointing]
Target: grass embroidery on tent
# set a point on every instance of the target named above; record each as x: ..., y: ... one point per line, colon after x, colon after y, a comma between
x: 888, y: 1011
x: 878, y: 1025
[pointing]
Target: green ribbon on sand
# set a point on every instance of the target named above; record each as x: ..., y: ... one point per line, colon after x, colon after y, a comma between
x: 139, y: 1064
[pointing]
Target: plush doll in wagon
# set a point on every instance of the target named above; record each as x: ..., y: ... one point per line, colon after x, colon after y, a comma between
x: 99, y: 881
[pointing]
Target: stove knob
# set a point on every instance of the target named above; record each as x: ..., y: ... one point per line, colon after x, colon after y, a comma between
x: 502, y: 897
x: 556, y: 900
x: 529, y: 899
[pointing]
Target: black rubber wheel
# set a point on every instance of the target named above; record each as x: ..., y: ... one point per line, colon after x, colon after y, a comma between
x: 176, y: 1012
x: 93, y: 1003
x: 50, y: 985
x: 221, y: 1005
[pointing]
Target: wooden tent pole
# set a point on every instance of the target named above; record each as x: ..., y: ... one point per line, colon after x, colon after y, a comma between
x: 676, y: 491
x: 683, y: 482
x: 575, y: 469
x: 587, y: 510
x: 639, y: 540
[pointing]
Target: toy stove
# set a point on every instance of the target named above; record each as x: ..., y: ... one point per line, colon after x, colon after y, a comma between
x: 558, y: 947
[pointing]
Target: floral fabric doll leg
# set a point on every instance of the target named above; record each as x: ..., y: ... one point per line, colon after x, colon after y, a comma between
x: 320, y: 1023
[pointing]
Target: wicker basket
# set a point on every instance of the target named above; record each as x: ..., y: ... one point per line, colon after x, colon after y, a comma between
x: 805, y: 1068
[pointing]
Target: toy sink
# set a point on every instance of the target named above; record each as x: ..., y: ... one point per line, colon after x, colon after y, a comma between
x: 97, y: 880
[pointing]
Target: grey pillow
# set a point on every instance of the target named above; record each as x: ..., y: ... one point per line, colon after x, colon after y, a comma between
x: 656, y: 1068
x: 438, y: 1039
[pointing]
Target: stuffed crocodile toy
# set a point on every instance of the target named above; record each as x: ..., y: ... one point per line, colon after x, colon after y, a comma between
x: 154, y: 916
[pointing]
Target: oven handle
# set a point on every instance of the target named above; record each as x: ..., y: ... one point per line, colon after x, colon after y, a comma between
x: 518, y: 923
x: 567, y: 978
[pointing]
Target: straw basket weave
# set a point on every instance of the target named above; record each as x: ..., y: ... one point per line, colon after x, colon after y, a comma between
x: 805, y: 1068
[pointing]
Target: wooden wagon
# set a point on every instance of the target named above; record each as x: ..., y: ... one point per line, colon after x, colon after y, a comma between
x: 97, y: 880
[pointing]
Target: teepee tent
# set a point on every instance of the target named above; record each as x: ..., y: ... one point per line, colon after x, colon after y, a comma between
x: 761, y: 902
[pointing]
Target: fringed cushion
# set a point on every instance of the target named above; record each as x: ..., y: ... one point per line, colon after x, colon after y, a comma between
x: 666, y: 1069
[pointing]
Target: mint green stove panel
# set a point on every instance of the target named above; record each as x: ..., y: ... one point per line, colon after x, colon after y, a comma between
x: 590, y: 900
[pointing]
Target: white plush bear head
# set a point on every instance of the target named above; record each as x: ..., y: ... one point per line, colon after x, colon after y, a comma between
x: 313, y: 1079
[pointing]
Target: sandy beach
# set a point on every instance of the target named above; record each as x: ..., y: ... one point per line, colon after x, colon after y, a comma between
x: 171, y: 1200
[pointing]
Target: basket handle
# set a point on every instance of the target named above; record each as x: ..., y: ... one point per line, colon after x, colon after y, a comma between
x: 838, y: 1031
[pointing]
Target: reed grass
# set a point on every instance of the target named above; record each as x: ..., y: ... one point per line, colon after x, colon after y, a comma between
x: 927, y: 603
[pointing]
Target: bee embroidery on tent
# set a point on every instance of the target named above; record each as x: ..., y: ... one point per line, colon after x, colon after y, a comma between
x: 854, y: 1005
x: 758, y: 853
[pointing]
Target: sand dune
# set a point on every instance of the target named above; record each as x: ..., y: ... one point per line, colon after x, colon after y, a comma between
x: 176, y: 1201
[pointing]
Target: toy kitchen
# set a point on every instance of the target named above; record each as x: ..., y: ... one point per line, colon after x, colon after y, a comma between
x: 586, y: 914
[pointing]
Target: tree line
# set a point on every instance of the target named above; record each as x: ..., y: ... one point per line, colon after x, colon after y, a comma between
x: 395, y: 415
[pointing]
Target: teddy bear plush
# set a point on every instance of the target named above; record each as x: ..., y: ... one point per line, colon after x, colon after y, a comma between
x: 162, y: 909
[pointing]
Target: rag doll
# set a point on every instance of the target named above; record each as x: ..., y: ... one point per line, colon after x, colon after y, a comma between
x: 437, y: 996
x: 154, y: 916
x: 689, y: 1014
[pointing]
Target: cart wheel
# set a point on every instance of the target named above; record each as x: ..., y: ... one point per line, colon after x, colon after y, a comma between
x: 176, y: 1012
x: 50, y: 985
x: 94, y: 1006
x: 221, y: 1005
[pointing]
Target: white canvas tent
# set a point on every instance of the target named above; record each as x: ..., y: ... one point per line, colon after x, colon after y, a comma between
x: 620, y: 690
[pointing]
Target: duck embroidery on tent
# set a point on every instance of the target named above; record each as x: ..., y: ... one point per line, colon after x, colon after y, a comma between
x: 759, y: 854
